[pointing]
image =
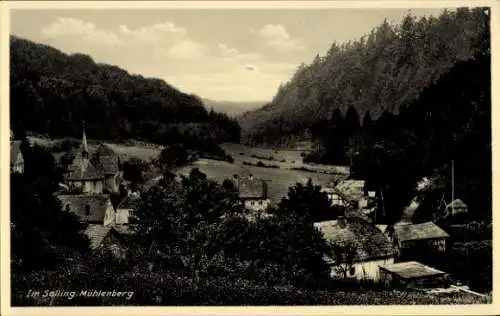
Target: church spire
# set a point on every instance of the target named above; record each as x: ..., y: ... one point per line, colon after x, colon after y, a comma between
x: 85, y: 149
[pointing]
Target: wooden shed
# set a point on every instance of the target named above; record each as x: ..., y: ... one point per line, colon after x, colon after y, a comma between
x: 412, y: 274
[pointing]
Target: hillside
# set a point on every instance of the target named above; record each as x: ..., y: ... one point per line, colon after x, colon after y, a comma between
x: 52, y: 93
x: 232, y: 108
x: 383, y: 71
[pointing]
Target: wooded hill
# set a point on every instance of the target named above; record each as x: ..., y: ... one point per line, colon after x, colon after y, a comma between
x: 381, y: 71
x: 52, y: 93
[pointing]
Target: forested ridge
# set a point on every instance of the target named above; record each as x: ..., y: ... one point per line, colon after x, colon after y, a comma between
x: 382, y: 71
x: 53, y: 93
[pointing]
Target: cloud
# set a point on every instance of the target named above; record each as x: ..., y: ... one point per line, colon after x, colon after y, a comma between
x: 227, y: 51
x: 277, y: 37
x: 188, y: 50
x: 81, y: 30
x: 155, y: 34
x: 166, y: 49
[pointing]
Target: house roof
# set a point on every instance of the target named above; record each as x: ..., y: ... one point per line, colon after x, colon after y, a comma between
x: 128, y: 202
x: 85, y: 171
x: 105, y: 151
x: 96, y: 234
x: 351, y: 189
x: 422, y: 231
x: 457, y: 204
x: 369, y: 242
x: 15, y: 151
x: 98, y: 203
x: 107, y: 164
x: 381, y: 227
x: 411, y: 269
x: 252, y: 188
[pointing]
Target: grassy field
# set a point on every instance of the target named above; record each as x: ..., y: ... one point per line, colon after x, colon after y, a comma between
x: 124, y: 151
x: 278, y: 179
x: 284, y: 158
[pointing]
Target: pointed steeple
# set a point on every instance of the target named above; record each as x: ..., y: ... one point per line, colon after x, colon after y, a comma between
x: 85, y: 149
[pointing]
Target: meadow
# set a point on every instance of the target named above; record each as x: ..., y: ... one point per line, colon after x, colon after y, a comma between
x: 279, y: 180
x: 124, y: 151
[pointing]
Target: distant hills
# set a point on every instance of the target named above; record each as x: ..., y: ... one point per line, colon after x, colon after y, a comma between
x: 232, y: 108
x: 382, y: 71
x: 52, y: 93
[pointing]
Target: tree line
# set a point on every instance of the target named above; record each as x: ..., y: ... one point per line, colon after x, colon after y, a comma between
x: 381, y: 72
x: 53, y: 93
x: 450, y: 121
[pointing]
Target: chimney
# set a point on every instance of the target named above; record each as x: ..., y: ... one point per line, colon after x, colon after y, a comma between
x: 341, y: 221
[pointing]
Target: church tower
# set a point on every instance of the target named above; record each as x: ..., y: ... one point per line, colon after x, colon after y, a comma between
x: 85, y: 148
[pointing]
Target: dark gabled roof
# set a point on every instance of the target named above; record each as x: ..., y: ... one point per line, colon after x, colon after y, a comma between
x: 15, y: 150
x: 369, y: 242
x: 422, y: 231
x: 105, y: 151
x: 411, y: 269
x: 128, y: 202
x: 96, y: 234
x: 85, y: 171
x: 252, y: 188
x: 107, y: 164
x: 457, y: 204
x: 98, y: 203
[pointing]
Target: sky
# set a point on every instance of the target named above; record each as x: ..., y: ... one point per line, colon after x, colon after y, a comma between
x: 230, y: 54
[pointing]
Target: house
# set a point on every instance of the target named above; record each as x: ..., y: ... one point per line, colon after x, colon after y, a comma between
x: 108, y: 162
x: 97, y: 174
x: 408, y: 238
x: 83, y: 176
x: 412, y: 274
x: 359, y: 248
x: 335, y: 197
x: 89, y: 208
x: 350, y: 192
x: 456, y: 207
x: 253, y: 193
x: 106, y: 237
x: 16, y: 157
x: 125, y: 209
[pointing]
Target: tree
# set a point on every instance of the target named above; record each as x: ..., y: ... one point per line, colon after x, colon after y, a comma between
x: 307, y: 201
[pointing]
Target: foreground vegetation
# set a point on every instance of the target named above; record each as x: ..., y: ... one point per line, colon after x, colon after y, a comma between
x: 192, y: 244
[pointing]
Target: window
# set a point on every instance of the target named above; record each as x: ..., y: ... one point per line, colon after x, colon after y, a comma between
x: 87, y: 210
x: 260, y: 202
x: 67, y: 207
x: 352, y: 270
x: 252, y: 203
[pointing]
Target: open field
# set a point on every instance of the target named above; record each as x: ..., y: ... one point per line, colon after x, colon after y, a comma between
x: 124, y: 151
x: 278, y: 179
x: 284, y: 158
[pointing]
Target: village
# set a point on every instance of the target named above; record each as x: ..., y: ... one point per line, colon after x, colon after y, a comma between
x: 391, y: 255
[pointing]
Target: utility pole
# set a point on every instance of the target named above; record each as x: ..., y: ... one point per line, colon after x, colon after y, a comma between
x: 452, y: 186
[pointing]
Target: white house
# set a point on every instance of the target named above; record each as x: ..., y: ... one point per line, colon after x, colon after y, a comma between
x: 360, y: 248
x: 253, y: 193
